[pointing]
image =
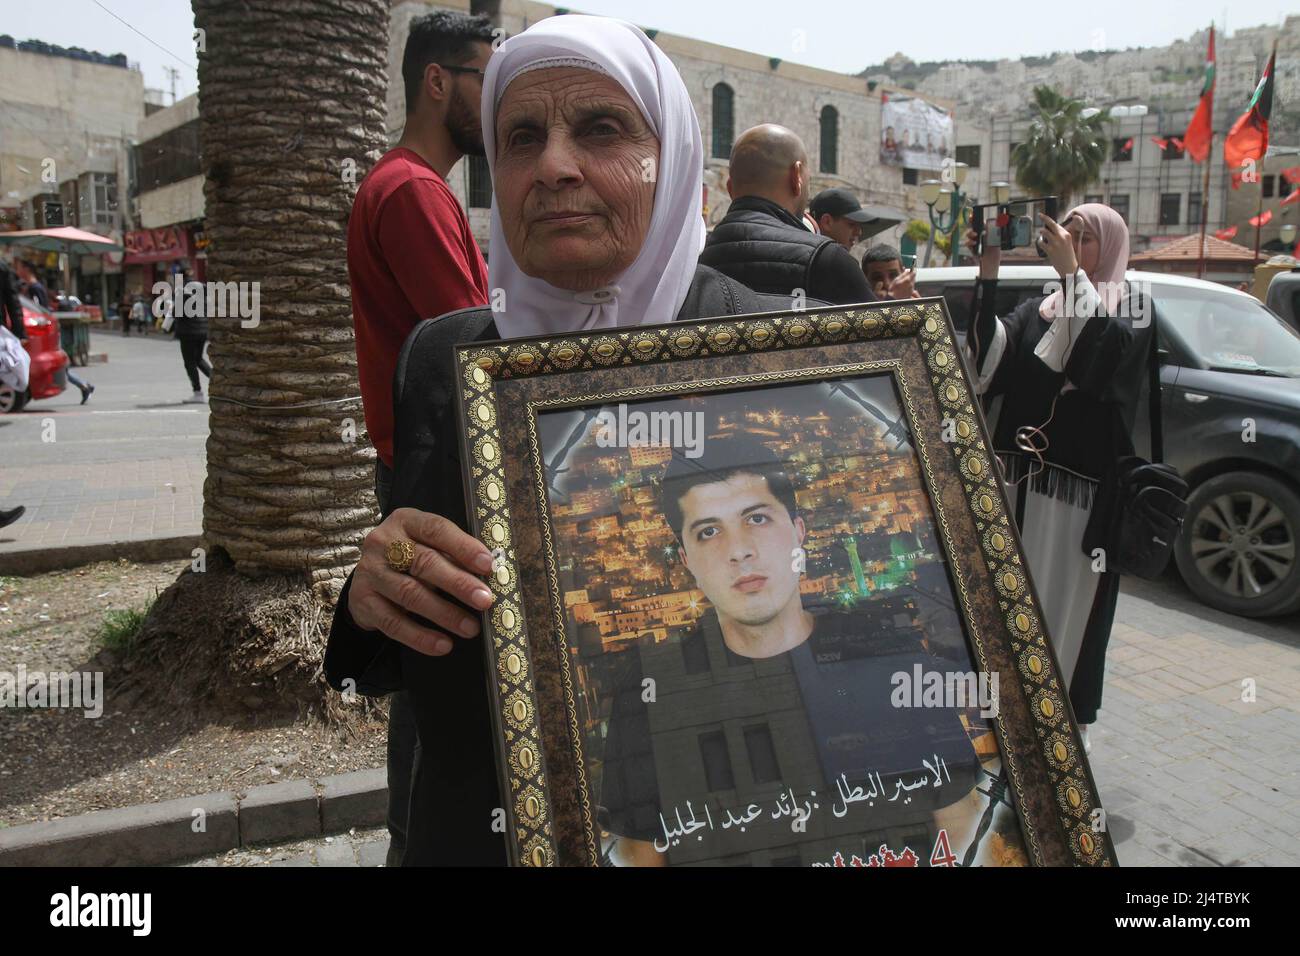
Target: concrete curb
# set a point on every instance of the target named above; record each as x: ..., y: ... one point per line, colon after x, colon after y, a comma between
x: 155, y: 834
x: 39, y: 560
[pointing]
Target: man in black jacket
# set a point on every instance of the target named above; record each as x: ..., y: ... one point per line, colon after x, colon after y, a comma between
x: 762, y: 243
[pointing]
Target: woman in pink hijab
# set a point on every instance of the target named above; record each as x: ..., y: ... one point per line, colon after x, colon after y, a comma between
x: 1068, y: 367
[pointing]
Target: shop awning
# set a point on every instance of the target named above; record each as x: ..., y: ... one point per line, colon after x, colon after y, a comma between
x: 75, y: 242
x: 882, y: 218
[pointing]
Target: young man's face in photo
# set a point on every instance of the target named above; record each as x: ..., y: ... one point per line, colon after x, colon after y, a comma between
x: 880, y: 274
x: 740, y: 543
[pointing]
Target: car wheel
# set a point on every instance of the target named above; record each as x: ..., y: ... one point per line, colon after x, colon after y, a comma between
x: 10, y: 400
x: 1238, y: 547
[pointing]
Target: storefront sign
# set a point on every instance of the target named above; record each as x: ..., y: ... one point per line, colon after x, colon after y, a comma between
x: 157, y: 245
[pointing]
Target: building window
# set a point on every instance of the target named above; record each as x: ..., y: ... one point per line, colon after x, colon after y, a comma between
x: 169, y: 158
x: 717, y: 763
x: 1193, y: 209
x: 1120, y: 205
x: 1170, y: 207
x: 1095, y: 197
x: 104, y: 187
x: 762, y: 755
x: 1284, y: 188
x: 1267, y: 184
x: 830, y: 139
x: 695, y: 656
x: 1121, y: 149
x: 480, y: 183
x: 1171, y: 152
x: 724, y: 120
x: 909, y: 177
x: 970, y: 155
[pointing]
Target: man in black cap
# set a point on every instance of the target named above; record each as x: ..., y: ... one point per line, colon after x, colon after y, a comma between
x: 762, y: 241
x: 838, y: 214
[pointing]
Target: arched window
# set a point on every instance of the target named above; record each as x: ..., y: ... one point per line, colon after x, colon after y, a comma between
x: 724, y: 120
x: 830, y: 139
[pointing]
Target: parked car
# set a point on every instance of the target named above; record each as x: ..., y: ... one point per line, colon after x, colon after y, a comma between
x: 1230, y: 395
x: 1284, y: 297
x: 49, y: 371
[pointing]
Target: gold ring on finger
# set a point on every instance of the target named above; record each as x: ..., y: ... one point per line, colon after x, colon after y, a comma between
x: 400, y: 554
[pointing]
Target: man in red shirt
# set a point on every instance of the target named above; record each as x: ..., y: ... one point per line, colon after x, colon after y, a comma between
x: 411, y: 256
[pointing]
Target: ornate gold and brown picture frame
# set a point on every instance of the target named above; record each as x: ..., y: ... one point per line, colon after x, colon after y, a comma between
x: 760, y: 601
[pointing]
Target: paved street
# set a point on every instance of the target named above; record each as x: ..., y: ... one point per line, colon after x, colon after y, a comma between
x: 1189, y: 773
x: 129, y: 464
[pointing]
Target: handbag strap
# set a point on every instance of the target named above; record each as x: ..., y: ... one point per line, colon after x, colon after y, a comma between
x: 1153, y: 392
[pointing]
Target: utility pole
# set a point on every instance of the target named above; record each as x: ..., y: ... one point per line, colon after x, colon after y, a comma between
x: 173, y: 75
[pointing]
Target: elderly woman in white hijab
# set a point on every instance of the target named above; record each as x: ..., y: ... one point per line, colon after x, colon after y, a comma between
x: 597, y: 166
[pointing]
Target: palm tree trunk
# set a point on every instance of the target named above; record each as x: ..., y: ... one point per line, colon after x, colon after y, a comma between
x: 291, y: 113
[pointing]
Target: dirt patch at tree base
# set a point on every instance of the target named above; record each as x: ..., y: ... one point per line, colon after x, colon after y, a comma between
x: 159, y: 737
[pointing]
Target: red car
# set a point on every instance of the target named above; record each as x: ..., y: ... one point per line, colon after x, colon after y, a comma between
x: 49, y: 372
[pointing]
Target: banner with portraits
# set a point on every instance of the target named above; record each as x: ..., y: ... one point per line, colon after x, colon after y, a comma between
x: 915, y: 133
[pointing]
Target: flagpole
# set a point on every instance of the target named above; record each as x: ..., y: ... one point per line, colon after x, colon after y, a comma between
x: 1259, y: 212
x: 1205, y: 206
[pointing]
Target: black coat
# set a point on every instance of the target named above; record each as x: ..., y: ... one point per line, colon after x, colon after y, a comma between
x: 763, y: 246
x: 455, y: 786
x: 11, y: 308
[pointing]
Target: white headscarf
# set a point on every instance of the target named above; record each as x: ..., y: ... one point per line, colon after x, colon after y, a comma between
x: 654, y: 287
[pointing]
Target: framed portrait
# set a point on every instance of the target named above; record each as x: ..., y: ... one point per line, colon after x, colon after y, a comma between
x: 760, y: 601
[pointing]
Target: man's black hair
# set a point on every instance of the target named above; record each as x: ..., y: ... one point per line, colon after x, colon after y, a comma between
x: 722, y: 458
x: 881, y: 252
x: 440, y: 37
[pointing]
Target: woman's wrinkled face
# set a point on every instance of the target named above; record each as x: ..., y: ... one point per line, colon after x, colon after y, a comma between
x: 575, y: 176
x: 1087, y: 247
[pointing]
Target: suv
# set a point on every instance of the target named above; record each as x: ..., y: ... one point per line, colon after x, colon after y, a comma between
x: 1230, y: 396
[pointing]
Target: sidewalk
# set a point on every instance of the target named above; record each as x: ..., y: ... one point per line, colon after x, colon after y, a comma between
x: 127, y: 466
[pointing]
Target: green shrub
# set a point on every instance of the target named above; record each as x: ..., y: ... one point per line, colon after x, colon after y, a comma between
x: 121, y: 628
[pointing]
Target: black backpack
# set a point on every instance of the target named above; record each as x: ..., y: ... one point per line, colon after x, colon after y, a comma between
x: 1140, y: 505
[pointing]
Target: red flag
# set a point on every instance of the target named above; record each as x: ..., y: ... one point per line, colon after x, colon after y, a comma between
x: 1236, y: 179
x: 1178, y: 143
x: 1263, y: 219
x: 1248, y: 138
x: 1128, y: 145
x: 1292, y: 197
x: 1162, y: 143
x: 1199, y: 132
x: 1225, y: 234
x: 1291, y: 175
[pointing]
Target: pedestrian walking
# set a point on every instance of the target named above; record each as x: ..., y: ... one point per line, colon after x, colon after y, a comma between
x: 192, y: 333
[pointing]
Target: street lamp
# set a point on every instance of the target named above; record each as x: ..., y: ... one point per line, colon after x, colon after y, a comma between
x: 945, y: 193
x: 1001, y: 192
x: 1288, y: 233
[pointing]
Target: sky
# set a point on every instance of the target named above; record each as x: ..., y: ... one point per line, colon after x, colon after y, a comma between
x: 842, y: 35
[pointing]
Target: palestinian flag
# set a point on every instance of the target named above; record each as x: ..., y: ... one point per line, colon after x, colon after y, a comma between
x: 1162, y: 143
x: 1199, y: 132
x: 1263, y: 219
x: 1248, y: 138
x: 1225, y: 234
